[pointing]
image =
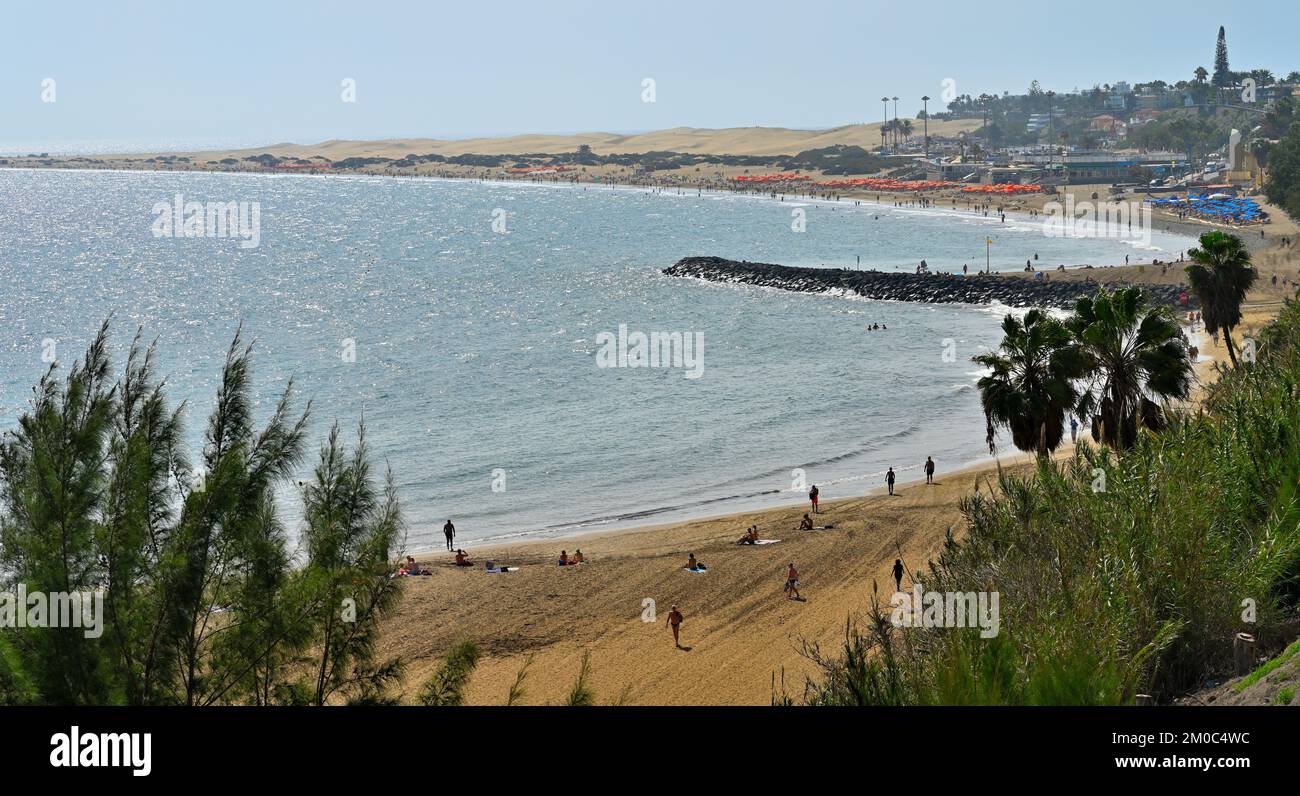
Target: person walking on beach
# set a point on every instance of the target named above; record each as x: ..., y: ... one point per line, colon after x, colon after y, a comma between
x: 675, y: 622
x: 812, y: 498
x: 898, y: 574
x: 889, y: 480
x: 449, y: 531
x: 792, y: 583
x: 1074, y: 430
x: 929, y: 470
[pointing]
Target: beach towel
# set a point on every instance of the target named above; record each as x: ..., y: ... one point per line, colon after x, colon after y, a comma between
x: 767, y: 541
x: 701, y: 569
x: 503, y: 569
x: 823, y: 528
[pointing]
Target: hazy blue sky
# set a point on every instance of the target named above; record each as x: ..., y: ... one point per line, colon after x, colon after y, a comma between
x: 271, y: 71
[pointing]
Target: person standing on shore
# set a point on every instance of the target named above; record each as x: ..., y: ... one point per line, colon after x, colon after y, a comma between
x: 889, y: 480
x: 449, y: 531
x: 812, y: 498
x: 1074, y: 430
x: 929, y: 470
x: 898, y: 574
x: 675, y: 622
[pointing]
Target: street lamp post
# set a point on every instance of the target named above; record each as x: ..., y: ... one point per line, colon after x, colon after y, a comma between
x: 896, y: 131
x: 925, y: 106
x: 886, y: 127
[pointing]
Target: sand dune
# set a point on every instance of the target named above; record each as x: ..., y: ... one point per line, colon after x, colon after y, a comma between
x: 729, y: 141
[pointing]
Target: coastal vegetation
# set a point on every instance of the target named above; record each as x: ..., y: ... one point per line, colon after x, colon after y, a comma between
x: 831, y: 160
x: 1125, y: 569
x: 1221, y: 274
x: 203, y: 600
x: 1283, y: 184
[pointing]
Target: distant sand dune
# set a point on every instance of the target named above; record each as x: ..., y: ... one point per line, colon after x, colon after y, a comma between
x: 729, y: 141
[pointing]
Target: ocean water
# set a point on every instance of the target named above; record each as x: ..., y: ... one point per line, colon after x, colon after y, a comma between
x: 476, y: 313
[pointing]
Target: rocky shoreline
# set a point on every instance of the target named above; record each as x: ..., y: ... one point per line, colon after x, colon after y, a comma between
x: 1014, y: 291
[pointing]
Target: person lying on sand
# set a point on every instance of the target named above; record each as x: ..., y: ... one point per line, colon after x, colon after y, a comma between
x: 462, y: 559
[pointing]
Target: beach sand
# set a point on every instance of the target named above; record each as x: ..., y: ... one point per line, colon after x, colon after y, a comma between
x: 741, y: 630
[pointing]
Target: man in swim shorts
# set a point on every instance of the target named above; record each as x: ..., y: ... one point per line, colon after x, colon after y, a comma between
x: 675, y: 622
x: 792, y: 582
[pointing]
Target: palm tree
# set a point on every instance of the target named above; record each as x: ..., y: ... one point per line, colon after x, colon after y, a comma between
x: 1136, y: 353
x: 1221, y: 275
x: 1032, y: 383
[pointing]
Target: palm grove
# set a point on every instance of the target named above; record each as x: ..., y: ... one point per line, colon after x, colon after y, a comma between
x: 1113, y: 362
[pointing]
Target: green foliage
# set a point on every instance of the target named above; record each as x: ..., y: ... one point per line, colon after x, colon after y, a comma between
x: 352, y: 531
x: 1032, y: 383
x: 1221, y: 275
x: 581, y: 695
x: 517, y: 691
x: 1136, y: 353
x: 1283, y: 184
x: 201, y: 602
x: 1119, y: 571
x: 446, y: 687
x: 1267, y: 668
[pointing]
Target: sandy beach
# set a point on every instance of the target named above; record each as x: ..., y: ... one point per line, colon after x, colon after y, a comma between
x: 741, y: 631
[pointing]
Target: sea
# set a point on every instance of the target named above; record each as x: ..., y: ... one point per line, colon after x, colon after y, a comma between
x: 491, y: 334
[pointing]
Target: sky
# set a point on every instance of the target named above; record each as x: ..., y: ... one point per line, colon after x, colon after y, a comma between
x: 269, y: 72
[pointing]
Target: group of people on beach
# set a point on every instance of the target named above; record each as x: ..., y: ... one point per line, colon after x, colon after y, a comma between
x: 891, y: 477
x: 567, y: 560
x: 675, y: 617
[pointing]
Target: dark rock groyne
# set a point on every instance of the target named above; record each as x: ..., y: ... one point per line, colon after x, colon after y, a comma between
x: 1013, y: 291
